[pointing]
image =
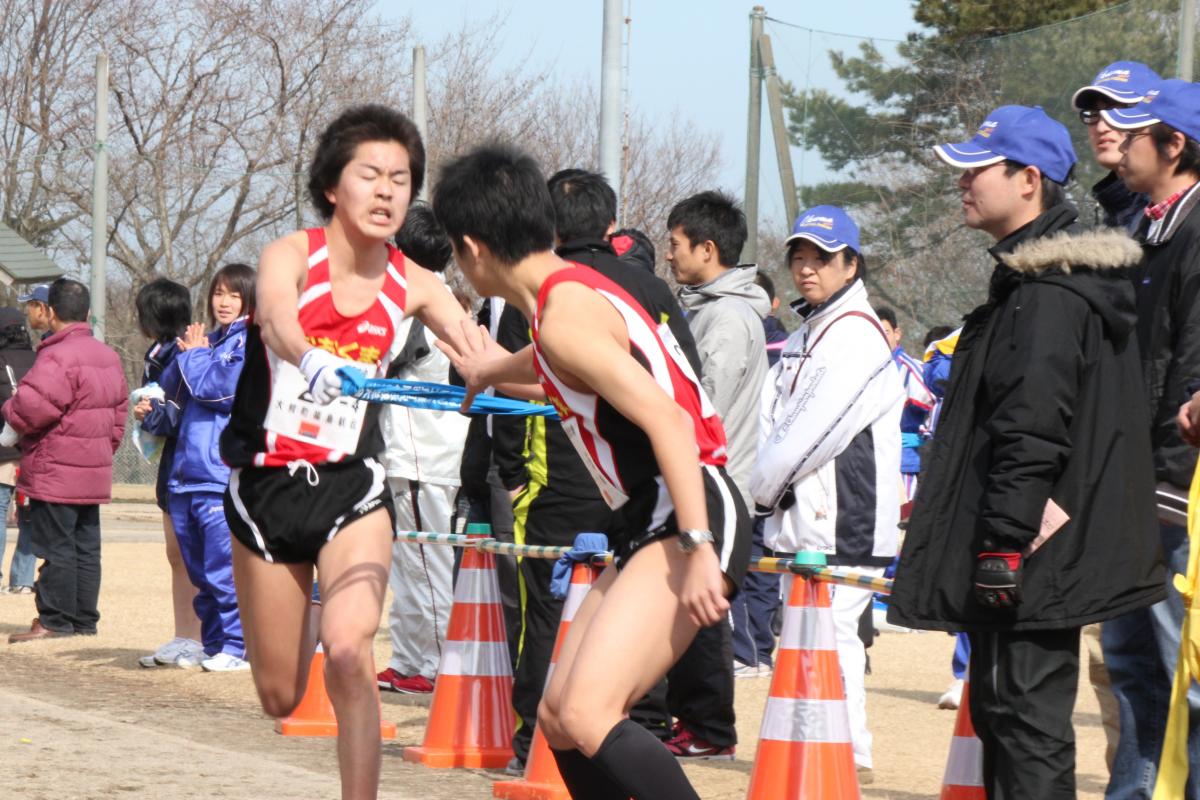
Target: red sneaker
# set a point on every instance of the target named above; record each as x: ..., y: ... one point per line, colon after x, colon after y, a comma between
x: 685, y: 744
x: 387, y: 679
x: 417, y: 684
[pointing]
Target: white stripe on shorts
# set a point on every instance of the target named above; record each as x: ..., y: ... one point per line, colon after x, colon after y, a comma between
x: 728, y: 515
x: 235, y: 476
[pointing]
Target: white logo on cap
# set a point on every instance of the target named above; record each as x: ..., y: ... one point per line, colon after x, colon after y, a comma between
x: 987, y: 128
x: 1117, y: 75
x: 817, y: 221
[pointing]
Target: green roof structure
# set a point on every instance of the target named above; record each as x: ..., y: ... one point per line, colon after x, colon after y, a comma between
x: 21, y: 262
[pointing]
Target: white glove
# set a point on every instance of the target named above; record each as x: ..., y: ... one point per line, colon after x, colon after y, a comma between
x: 320, y: 368
x: 8, y: 436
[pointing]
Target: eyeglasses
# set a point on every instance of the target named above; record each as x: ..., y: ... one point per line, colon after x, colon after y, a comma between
x: 1089, y: 116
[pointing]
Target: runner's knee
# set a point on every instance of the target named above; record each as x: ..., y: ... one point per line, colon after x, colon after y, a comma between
x: 347, y: 657
x: 279, y: 698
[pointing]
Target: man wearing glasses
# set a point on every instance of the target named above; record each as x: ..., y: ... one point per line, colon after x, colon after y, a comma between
x: 1160, y: 157
x: 1119, y: 85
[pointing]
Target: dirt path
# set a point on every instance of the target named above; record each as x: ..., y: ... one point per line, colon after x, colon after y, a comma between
x: 80, y: 719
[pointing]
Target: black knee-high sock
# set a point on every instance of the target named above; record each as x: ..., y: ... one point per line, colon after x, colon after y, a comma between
x: 637, y: 760
x: 585, y: 780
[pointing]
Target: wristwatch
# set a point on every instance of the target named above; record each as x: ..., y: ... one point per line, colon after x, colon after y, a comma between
x: 691, y: 538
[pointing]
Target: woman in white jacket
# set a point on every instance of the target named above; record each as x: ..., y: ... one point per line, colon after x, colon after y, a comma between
x: 829, y: 448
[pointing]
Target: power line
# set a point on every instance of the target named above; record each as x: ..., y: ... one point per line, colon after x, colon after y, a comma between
x: 832, y: 33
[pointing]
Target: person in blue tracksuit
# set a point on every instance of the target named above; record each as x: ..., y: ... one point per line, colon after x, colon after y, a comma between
x: 200, y: 384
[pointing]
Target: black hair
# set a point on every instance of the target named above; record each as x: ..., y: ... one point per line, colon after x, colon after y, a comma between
x: 937, y: 332
x: 825, y: 256
x: 237, y: 279
x: 15, y: 337
x: 496, y: 194
x: 70, y: 300
x: 423, y: 239
x: 1053, y: 192
x: 768, y: 285
x: 164, y: 309
x: 355, y: 126
x: 712, y: 217
x: 1189, y: 158
x: 642, y: 250
x: 584, y: 204
x: 887, y: 315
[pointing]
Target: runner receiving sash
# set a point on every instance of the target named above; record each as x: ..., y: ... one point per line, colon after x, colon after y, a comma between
x: 306, y: 489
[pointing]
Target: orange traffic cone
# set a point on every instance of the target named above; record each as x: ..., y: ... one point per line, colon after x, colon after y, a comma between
x: 542, y: 780
x: 964, y: 767
x: 804, y: 749
x: 471, y: 717
x: 314, y: 716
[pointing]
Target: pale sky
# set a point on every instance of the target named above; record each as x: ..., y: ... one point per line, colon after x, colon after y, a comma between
x: 686, y: 58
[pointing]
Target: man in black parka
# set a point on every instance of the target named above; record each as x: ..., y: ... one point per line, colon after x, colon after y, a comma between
x: 1037, y: 512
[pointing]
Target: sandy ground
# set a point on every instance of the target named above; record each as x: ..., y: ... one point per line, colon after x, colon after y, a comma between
x: 80, y: 719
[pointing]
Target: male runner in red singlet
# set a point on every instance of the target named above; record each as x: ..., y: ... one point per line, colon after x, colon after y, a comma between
x: 306, y: 489
x: 643, y: 425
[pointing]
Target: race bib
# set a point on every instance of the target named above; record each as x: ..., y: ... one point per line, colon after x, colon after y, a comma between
x: 610, y: 492
x: 296, y: 415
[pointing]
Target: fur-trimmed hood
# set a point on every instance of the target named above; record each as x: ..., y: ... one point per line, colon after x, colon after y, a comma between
x: 1094, y: 264
x: 1069, y: 250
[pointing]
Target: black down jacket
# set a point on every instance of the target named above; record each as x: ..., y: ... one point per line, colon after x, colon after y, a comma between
x: 1045, y: 402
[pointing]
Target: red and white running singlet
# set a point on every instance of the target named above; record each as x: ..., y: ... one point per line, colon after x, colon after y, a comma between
x: 274, y: 421
x: 616, y: 452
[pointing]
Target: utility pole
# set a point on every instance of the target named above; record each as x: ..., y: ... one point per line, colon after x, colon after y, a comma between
x: 1187, y: 39
x: 100, y: 200
x: 783, y: 152
x: 610, y: 97
x: 420, y: 99
x: 753, y: 138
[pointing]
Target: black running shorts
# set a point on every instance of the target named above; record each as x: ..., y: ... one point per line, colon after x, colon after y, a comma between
x: 649, y: 515
x: 287, y: 514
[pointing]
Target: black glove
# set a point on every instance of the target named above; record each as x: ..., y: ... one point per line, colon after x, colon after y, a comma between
x: 998, y: 580
x: 786, y: 501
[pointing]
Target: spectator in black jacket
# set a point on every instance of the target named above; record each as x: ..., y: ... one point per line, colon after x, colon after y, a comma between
x: 1161, y: 158
x: 16, y: 357
x: 1037, y: 509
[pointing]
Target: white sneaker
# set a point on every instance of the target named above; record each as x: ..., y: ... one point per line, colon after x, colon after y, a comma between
x: 192, y: 656
x: 741, y: 670
x: 953, y: 696
x: 166, y: 654
x: 224, y: 662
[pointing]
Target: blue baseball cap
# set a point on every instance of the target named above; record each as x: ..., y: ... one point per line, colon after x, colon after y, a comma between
x: 1020, y: 133
x: 1121, y: 82
x: 1172, y: 101
x: 828, y: 227
x: 40, y: 293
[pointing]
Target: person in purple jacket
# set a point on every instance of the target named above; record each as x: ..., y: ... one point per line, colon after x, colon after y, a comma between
x: 199, y: 385
x: 69, y: 414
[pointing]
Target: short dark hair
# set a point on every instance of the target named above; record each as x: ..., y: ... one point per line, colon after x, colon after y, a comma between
x: 70, y: 300
x: 768, y: 285
x: 355, y: 126
x: 1189, y: 158
x: 496, y: 194
x: 423, y: 239
x: 164, y: 309
x: 238, y: 279
x: 584, y: 204
x: 937, y: 332
x: 712, y: 217
x: 887, y: 315
x: 1053, y: 192
x: 641, y: 252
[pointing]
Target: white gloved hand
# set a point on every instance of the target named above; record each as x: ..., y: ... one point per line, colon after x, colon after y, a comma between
x: 320, y: 368
x: 8, y: 436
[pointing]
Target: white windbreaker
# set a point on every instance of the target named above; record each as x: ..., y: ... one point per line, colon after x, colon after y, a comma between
x: 422, y: 444
x: 830, y: 431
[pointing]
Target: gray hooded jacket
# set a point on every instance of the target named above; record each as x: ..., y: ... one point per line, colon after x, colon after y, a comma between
x: 726, y: 317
